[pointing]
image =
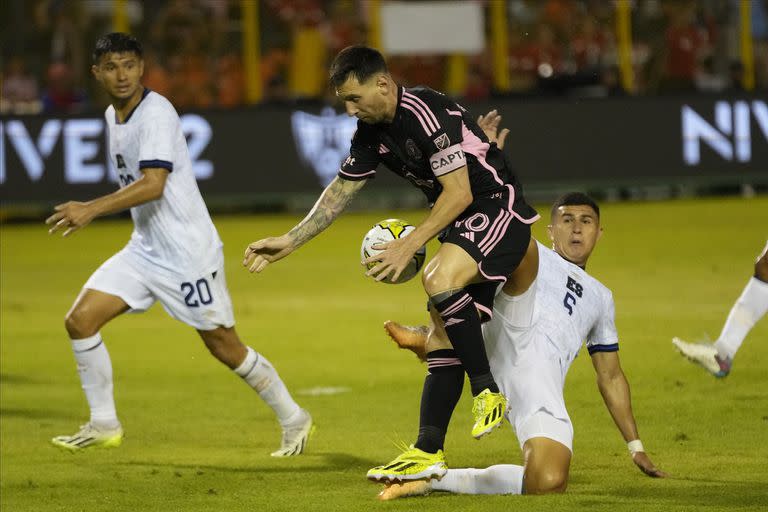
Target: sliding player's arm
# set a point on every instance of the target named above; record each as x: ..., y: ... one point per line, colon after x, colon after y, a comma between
x: 74, y: 215
x: 614, y: 388
x: 331, y: 203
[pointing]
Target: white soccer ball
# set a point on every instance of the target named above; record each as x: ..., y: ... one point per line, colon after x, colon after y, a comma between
x: 386, y: 231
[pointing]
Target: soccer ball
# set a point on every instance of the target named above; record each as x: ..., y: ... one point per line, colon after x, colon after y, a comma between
x: 386, y: 231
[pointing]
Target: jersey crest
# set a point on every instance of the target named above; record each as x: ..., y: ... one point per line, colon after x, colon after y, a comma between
x: 323, y: 141
x: 413, y: 150
x: 442, y: 141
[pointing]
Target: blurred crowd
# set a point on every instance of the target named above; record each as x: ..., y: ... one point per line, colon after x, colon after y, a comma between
x: 193, y: 49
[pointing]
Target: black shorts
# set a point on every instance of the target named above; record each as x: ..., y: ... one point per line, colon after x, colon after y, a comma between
x: 496, y: 237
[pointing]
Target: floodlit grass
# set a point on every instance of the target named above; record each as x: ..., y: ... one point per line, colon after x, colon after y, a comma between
x: 199, y: 439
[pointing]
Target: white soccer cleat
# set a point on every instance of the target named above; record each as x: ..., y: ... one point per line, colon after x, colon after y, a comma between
x: 295, y: 437
x: 90, y: 436
x: 705, y: 355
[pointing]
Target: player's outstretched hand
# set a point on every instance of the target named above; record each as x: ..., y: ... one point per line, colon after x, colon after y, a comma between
x: 71, y: 215
x: 489, y: 123
x: 643, y: 462
x: 268, y: 250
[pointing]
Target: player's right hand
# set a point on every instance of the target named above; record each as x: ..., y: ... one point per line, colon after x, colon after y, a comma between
x: 268, y: 250
x: 643, y: 462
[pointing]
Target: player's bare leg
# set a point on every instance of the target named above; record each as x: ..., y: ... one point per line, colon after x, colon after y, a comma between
x: 546, y: 466
x: 225, y: 345
x: 91, y: 310
x: 526, y: 272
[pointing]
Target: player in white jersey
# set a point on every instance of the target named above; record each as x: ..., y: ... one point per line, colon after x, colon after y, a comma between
x: 750, y: 307
x: 174, y: 256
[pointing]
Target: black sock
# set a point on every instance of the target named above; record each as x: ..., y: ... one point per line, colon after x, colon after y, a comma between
x: 462, y: 325
x: 442, y: 390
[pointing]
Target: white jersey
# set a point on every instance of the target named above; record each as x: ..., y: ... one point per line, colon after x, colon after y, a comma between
x: 174, y: 233
x: 533, y: 338
x: 564, y: 308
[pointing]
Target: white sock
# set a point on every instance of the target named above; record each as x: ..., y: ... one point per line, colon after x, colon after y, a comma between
x: 750, y: 307
x: 499, y: 479
x: 95, y: 369
x: 262, y: 377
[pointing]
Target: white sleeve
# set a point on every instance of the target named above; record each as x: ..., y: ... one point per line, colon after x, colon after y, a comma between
x: 603, y: 336
x: 156, y: 136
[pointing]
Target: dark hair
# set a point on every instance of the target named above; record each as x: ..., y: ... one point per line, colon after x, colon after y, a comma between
x: 116, y: 42
x: 360, y: 62
x: 575, y: 199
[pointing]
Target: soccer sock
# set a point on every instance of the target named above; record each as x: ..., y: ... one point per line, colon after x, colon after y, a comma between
x: 750, y: 307
x: 462, y: 325
x: 442, y: 390
x: 95, y: 370
x: 262, y: 377
x: 499, y: 479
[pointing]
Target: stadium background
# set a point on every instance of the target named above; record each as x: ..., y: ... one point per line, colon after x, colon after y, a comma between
x: 661, y: 101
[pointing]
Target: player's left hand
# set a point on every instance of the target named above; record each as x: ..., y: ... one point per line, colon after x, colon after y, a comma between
x: 72, y: 215
x: 392, y: 260
x: 643, y: 462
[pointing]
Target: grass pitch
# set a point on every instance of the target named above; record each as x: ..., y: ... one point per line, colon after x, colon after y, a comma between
x: 199, y: 439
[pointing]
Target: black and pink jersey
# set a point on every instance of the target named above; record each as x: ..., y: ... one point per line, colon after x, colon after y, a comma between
x: 432, y: 135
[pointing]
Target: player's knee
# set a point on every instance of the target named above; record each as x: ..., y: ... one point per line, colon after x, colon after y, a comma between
x: 545, y: 481
x: 79, y: 324
x: 437, y: 281
x: 761, y: 268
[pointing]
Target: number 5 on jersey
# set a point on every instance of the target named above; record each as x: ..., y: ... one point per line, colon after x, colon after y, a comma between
x: 569, y: 300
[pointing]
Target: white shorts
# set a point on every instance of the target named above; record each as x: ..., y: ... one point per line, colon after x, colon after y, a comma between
x: 534, y: 389
x: 200, y: 300
x: 529, y: 371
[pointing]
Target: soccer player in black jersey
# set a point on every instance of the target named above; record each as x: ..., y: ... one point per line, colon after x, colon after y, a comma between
x: 476, y: 203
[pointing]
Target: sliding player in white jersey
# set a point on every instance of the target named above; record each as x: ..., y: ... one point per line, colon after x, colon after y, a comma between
x: 174, y: 256
x: 518, y: 338
x: 536, y: 332
x: 750, y: 307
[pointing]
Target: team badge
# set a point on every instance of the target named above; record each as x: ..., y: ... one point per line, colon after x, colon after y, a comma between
x: 323, y: 141
x: 442, y: 142
x: 412, y: 150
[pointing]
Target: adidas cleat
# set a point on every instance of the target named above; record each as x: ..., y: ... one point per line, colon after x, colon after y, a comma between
x: 412, y: 464
x: 295, y: 438
x: 397, y: 490
x: 90, y: 436
x: 409, y: 338
x: 488, y: 411
x: 705, y: 355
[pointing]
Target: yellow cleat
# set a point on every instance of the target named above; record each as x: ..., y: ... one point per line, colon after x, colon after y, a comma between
x: 412, y: 464
x: 488, y: 409
x: 397, y: 490
x: 90, y: 436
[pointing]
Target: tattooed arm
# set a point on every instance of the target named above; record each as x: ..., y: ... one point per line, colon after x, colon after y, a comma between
x: 331, y: 203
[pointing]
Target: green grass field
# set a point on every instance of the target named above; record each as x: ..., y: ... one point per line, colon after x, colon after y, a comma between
x: 199, y: 439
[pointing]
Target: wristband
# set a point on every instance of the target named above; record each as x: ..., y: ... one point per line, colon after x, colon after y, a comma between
x: 635, y: 446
